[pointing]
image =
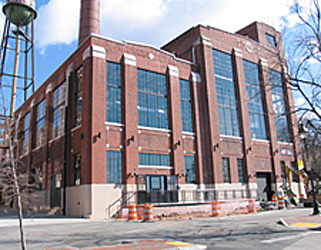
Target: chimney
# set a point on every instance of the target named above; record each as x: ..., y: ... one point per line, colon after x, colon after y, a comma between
x: 89, y: 19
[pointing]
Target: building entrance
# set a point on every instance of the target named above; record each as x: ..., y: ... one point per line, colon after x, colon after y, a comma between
x: 264, y: 186
x: 157, y: 189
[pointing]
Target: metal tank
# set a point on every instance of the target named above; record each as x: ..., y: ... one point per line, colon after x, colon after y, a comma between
x: 20, y: 12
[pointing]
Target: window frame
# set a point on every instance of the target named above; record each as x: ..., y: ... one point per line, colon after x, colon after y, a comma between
x: 240, y: 166
x: 226, y: 94
x: 190, y: 169
x: 152, y: 102
x: 186, y: 106
x: 154, y: 160
x: 270, y: 39
x: 226, y: 170
x: 26, y: 133
x: 58, y: 122
x: 114, y: 167
x: 77, y: 114
x: 113, y: 89
x: 279, y: 106
x: 255, y: 101
x: 41, y: 122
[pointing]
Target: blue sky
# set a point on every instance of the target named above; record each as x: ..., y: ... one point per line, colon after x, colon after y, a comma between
x: 151, y: 22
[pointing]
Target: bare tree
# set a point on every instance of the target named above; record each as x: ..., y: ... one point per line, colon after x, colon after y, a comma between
x: 303, y: 50
x: 16, y: 181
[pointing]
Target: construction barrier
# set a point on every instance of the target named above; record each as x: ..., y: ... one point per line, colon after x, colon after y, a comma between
x: 132, y: 213
x: 148, y: 212
x: 281, y: 203
x: 252, y: 206
x: 216, y: 208
x: 274, y: 200
x: 302, y: 196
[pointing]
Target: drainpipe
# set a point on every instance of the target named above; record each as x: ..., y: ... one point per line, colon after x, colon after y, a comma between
x: 66, y: 151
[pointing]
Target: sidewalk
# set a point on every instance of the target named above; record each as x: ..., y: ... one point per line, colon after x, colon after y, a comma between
x: 142, y: 244
x: 9, y: 218
x: 311, y: 222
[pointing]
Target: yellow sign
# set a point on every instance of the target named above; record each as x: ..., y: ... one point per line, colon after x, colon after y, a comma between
x: 300, y: 165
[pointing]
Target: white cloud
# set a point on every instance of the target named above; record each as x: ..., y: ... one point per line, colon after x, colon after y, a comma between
x: 234, y: 15
x: 133, y: 11
x: 153, y: 21
x: 57, y: 22
x: 299, y: 102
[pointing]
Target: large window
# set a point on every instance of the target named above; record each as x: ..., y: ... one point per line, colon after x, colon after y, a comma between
x: 59, y: 111
x: 240, y: 168
x: 113, y: 89
x: 114, y: 167
x: 152, y: 99
x: 77, y: 169
x: 186, y: 106
x: 154, y: 160
x: 279, y: 106
x: 226, y: 170
x: 254, y: 99
x: 77, y: 98
x: 225, y: 90
x: 40, y: 123
x: 26, y: 131
x: 190, y: 176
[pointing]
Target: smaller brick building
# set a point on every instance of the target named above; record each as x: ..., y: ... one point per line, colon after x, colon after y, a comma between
x: 200, y: 118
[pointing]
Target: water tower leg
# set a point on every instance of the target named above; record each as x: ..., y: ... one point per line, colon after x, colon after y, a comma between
x: 15, y: 74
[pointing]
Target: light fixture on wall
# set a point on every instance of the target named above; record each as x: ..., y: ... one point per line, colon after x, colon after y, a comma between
x: 216, y: 146
x: 99, y: 135
x: 132, y: 138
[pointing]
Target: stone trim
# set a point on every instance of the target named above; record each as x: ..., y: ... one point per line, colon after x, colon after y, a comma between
x: 129, y: 59
x: 173, y: 71
x: 237, y: 52
x: 94, y: 51
x: 263, y: 62
x: 196, y: 77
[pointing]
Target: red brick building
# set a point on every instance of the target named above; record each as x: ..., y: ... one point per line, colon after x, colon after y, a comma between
x: 201, y: 118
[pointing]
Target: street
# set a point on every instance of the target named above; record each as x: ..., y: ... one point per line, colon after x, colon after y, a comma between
x: 251, y: 231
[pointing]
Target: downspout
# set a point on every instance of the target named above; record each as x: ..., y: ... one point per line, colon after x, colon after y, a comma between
x: 68, y: 78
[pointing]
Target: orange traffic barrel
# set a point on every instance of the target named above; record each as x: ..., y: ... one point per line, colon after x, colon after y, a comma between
x: 252, y: 206
x: 281, y: 203
x: 302, y: 196
x: 216, y: 208
x: 274, y: 200
x: 132, y: 213
x: 148, y: 212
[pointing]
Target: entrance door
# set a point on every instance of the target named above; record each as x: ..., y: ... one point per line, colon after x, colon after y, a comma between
x: 55, y: 191
x: 157, y: 189
x: 264, y: 186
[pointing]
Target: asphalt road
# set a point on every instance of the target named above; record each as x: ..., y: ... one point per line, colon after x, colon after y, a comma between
x: 251, y: 231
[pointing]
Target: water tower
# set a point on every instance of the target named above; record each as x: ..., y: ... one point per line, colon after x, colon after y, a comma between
x: 17, y: 54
